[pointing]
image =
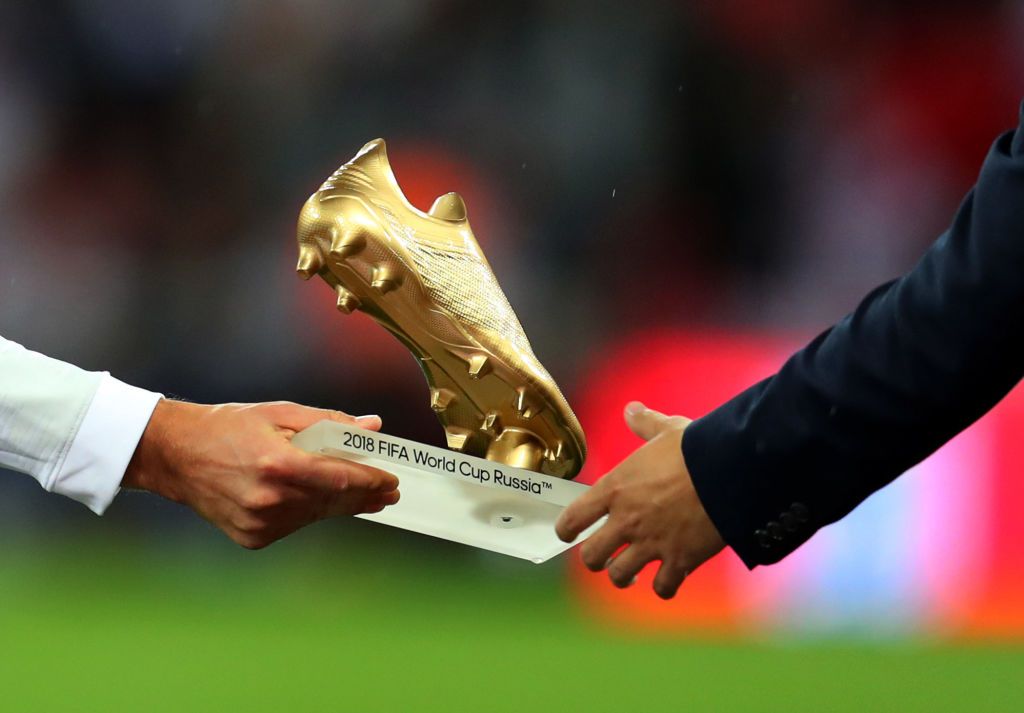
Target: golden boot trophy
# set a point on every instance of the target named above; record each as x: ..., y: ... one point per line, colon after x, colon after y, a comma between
x: 424, y: 278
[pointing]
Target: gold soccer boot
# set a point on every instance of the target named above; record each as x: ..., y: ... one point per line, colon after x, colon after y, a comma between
x: 424, y: 278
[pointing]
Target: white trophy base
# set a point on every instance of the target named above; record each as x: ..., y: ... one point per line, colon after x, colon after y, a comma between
x: 457, y: 497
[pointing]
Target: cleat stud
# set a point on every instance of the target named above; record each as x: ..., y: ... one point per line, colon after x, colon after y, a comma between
x: 491, y: 423
x: 440, y: 399
x: 554, y: 453
x: 347, y: 302
x: 384, y: 286
x: 526, y: 403
x: 346, y: 242
x: 385, y: 279
x: 456, y: 437
x: 479, y: 365
x: 309, y: 263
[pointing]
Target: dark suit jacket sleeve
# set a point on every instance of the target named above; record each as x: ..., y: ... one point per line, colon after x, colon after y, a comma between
x: 919, y: 360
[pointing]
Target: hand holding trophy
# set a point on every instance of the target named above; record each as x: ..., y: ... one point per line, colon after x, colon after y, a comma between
x: 515, y: 442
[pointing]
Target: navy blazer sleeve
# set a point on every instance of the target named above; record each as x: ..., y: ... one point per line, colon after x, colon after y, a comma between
x: 919, y: 360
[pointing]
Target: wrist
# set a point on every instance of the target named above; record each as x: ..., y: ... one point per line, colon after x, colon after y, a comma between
x: 152, y: 465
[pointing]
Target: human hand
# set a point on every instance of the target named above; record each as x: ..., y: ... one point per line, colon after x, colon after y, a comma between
x: 234, y: 465
x: 653, y: 510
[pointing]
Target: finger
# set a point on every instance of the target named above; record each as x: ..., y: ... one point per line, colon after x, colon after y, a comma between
x: 598, y: 550
x: 669, y: 578
x: 296, y: 417
x: 384, y: 500
x: 582, y: 513
x: 371, y: 422
x: 370, y: 505
x: 337, y: 475
x: 627, y: 565
x: 645, y: 422
x: 336, y: 504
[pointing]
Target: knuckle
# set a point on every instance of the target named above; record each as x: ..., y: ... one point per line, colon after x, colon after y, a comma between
x: 681, y: 569
x: 275, y: 409
x: 676, y: 560
x: 270, y: 465
x: 342, y: 481
x: 262, y: 499
x: 251, y: 525
x: 631, y: 522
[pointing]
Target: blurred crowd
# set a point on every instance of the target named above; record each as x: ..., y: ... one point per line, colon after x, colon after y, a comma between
x: 729, y: 164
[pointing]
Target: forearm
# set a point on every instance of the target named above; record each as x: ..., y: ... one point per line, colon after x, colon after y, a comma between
x: 917, y: 362
x: 73, y: 431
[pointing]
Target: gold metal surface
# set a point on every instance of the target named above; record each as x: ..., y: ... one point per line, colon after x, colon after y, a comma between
x: 423, y: 277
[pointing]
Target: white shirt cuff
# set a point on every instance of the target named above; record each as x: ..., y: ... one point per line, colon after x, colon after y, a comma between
x: 105, y: 443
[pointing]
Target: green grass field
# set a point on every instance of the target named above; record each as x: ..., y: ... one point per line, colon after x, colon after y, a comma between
x: 330, y: 621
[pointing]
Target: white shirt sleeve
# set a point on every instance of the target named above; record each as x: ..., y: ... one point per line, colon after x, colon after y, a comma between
x: 72, y: 430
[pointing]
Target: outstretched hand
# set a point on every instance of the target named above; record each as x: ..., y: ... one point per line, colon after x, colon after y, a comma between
x: 653, y: 510
x: 235, y: 466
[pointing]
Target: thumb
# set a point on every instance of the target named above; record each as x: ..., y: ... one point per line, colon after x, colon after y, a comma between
x: 644, y: 422
x: 296, y: 417
x: 371, y: 423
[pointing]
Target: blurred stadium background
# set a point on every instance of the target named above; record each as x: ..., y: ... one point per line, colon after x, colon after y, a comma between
x: 673, y: 195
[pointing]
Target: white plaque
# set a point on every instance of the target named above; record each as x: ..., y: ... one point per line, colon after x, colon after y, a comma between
x: 457, y: 497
